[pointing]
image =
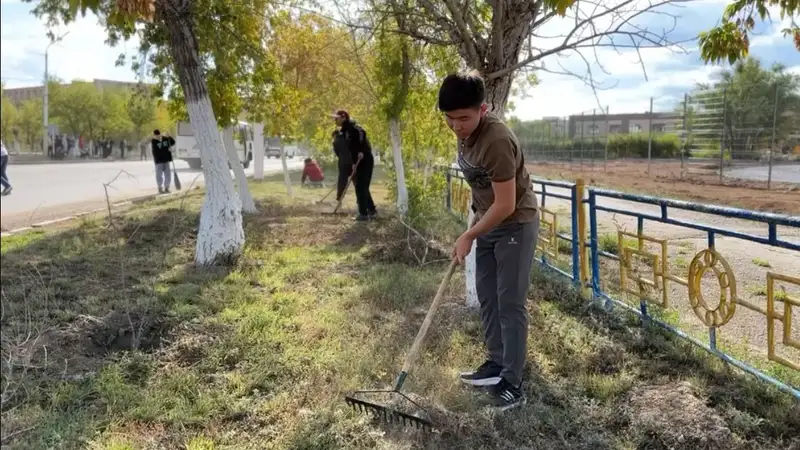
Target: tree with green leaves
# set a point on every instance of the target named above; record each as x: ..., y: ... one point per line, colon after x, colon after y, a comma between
x: 75, y: 107
x: 398, y: 73
x: 505, y: 39
x: 730, y: 40
x: 115, y: 123
x: 9, y: 116
x: 394, y: 72
x: 141, y: 109
x: 756, y: 99
x: 31, y: 123
x: 317, y: 73
x: 208, y: 56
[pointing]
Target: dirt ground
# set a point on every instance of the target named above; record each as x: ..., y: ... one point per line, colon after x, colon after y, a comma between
x: 665, y: 181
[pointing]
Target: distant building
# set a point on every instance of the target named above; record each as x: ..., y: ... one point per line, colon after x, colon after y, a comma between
x: 22, y: 94
x: 557, y: 124
x: 601, y: 124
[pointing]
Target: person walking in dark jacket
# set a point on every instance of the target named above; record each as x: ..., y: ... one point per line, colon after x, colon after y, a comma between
x: 162, y: 156
x: 345, y: 162
x: 363, y: 163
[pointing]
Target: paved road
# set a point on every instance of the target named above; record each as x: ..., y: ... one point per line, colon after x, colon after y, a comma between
x: 780, y: 173
x: 42, y: 191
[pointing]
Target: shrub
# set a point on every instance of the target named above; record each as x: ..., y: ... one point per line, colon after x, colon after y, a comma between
x: 619, y: 146
x: 425, y: 197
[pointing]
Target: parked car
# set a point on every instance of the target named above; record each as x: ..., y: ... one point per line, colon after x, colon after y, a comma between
x: 273, y: 150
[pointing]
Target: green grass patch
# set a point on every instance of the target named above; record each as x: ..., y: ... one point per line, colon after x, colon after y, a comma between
x: 609, y: 243
x: 762, y: 263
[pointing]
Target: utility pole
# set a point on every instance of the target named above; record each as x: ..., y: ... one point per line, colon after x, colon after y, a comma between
x: 46, y: 136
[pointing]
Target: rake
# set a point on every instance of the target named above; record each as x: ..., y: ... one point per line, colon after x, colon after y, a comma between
x: 326, y: 195
x: 347, y: 186
x: 392, y: 415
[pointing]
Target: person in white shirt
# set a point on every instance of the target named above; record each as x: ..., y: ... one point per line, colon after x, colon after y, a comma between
x: 3, y: 165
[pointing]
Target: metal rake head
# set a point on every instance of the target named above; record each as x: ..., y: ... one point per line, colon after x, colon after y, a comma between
x: 389, y: 415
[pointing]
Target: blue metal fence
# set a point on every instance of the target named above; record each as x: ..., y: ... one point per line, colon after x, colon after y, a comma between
x: 585, y: 270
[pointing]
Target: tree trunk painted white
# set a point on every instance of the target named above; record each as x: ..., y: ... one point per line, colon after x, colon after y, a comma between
x: 258, y: 151
x: 220, y: 236
x: 248, y: 205
x: 470, y: 269
x: 402, y: 191
x: 286, y: 179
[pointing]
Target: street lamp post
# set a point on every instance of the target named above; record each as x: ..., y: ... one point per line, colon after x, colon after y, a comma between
x: 46, y: 136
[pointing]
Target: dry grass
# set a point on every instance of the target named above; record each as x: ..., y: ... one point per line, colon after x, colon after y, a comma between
x: 112, y: 340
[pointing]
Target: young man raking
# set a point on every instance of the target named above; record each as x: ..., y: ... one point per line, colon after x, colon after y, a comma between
x: 505, y: 231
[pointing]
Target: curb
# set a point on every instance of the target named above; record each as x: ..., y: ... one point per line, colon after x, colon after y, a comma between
x: 17, y: 162
x: 133, y: 201
x: 51, y: 222
x: 130, y: 201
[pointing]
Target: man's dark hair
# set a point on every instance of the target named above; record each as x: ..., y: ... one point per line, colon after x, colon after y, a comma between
x: 156, y: 132
x: 461, y: 90
x: 307, y: 160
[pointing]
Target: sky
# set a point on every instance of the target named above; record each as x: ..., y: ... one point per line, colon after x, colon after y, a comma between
x: 83, y: 54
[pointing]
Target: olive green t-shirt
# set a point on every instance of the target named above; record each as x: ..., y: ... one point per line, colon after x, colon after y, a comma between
x: 492, y: 154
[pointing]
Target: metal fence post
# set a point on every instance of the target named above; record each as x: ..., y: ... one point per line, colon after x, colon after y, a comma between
x: 594, y: 136
x: 722, y: 141
x: 576, y: 262
x: 593, y: 244
x: 772, y: 143
x: 608, y: 133
x: 580, y: 189
x: 571, y: 142
x: 684, y: 140
x: 449, y: 200
x: 582, y: 128
x: 649, y: 136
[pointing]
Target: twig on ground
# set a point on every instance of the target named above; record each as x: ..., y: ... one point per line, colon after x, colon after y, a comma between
x: 411, y: 230
x: 7, y: 437
x: 108, y: 199
x: 33, y: 213
x: 430, y: 243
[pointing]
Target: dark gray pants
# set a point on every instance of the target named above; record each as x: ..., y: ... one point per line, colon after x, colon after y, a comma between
x: 503, y: 273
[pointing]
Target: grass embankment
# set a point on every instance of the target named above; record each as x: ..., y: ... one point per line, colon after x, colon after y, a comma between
x: 113, y: 340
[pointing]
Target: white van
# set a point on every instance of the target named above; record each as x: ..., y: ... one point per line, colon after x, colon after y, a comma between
x: 189, y: 151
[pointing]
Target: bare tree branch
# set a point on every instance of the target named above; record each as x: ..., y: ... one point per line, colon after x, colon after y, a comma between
x: 463, y: 31
x: 640, y: 38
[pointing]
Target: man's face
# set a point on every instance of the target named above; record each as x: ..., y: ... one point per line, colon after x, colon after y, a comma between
x: 464, y: 121
x: 339, y: 120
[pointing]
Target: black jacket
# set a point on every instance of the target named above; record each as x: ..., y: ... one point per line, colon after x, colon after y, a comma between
x: 356, y: 139
x: 161, y: 149
x: 341, y: 150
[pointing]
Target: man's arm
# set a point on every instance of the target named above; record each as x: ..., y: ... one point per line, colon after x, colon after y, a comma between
x: 505, y: 196
x: 501, y: 165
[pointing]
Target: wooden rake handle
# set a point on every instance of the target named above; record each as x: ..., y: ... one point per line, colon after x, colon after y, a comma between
x: 347, y: 186
x: 417, y: 345
x: 326, y: 195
